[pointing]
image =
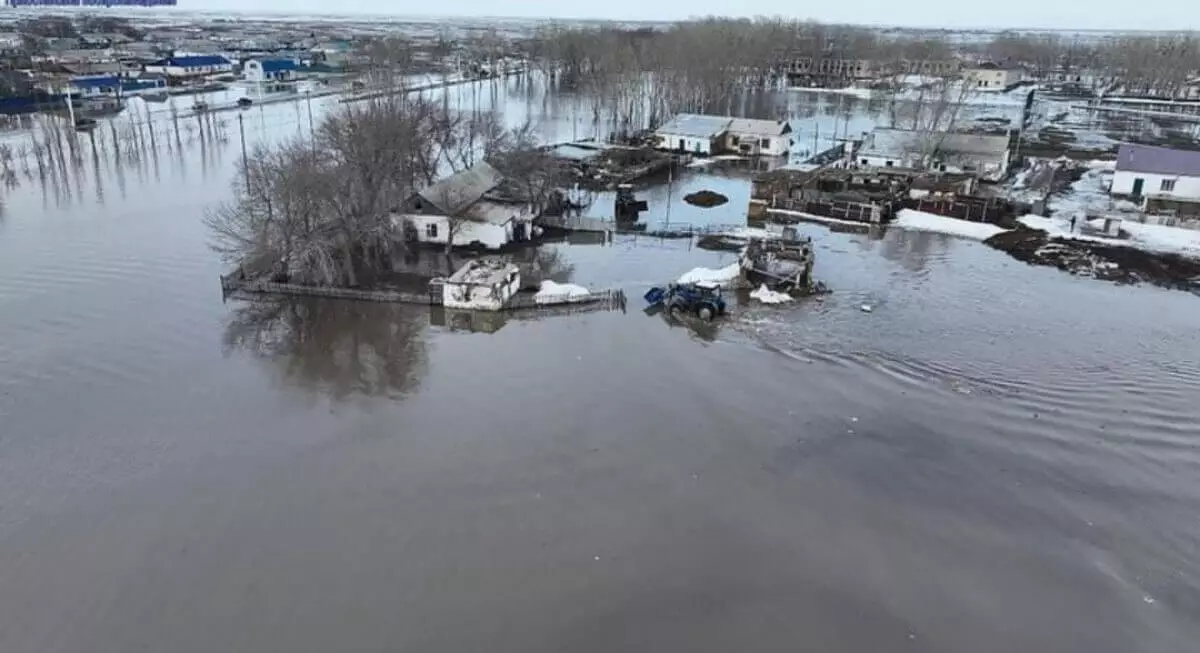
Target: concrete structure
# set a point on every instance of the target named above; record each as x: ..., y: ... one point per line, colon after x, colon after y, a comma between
x: 1166, y: 181
x: 984, y: 156
x: 455, y: 211
x: 269, y: 70
x: 191, y: 67
x: 481, y: 284
x: 990, y: 77
x: 762, y: 137
x: 689, y: 132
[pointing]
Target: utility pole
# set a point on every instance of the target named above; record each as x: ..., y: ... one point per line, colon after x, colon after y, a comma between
x: 245, y: 159
x: 311, y: 133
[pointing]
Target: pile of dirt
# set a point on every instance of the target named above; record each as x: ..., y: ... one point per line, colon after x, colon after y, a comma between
x: 705, y: 199
x: 721, y: 243
x: 1099, y: 260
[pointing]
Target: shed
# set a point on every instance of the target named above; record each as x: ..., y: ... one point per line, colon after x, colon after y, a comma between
x: 983, y: 155
x: 481, y: 284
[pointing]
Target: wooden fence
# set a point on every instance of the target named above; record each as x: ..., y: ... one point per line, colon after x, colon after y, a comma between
x: 975, y: 209
x: 233, y: 285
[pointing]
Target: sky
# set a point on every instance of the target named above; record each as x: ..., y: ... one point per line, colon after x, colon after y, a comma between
x: 1052, y: 14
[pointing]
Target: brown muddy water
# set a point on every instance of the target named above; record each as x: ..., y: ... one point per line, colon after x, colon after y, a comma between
x: 997, y: 457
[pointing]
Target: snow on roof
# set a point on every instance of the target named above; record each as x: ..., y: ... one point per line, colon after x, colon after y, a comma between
x: 897, y: 142
x: 1132, y: 157
x: 456, y: 193
x: 755, y: 127
x: 492, y: 212
x: 695, y: 126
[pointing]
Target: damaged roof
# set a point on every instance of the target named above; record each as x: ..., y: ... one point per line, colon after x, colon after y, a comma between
x: 1132, y: 157
x: 459, y: 191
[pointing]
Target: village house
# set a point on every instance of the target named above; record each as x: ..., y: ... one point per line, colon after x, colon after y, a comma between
x: 190, y: 67
x: 706, y: 135
x: 1163, y: 180
x: 758, y: 137
x: 990, y: 77
x: 983, y: 155
x: 689, y: 132
x: 459, y: 211
x: 269, y: 70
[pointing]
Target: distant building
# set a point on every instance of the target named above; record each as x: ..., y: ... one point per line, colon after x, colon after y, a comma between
x: 457, y: 211
x: 115, y: 86
x: 1162, y: 179
x: 191, y: 66
x: 990, y: 77
x: 985, y: 156
x: 698, y: 134
x: 269, y: 70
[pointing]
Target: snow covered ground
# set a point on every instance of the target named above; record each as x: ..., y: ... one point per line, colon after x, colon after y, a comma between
x: 721, y: 276
x: 1148, y: 237
x: 921, y: 221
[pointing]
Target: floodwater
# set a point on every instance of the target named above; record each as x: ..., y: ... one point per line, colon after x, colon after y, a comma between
x: 997, y: 457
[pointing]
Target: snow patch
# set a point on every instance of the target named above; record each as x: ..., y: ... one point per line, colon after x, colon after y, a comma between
x: 707, y: 275
x: 768, y: 296
x: 1148, y: 237
x: 921, y: 221
x: 561, y: 293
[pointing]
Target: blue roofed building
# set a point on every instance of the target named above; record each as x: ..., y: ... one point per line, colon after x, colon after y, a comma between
x: 269, y: 70
x: 191, y: 66
x: 98, y: 86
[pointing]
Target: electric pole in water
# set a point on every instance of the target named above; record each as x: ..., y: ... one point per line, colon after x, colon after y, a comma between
x: 245, y: 160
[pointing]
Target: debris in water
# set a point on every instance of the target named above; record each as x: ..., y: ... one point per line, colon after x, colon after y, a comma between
x: 768, y: 296
x: 1148, y: 599
x: 705, y: 198
x: 866, y: 308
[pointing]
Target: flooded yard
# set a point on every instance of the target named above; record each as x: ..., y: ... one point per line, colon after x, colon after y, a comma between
x: 997, y: 456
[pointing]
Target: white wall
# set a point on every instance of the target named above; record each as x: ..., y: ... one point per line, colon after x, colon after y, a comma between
x: 991, y: 171
x: 1185, y: 187
x: 690, y: 143
x: 776, y: 145
x: 480, y: 297
x: 492, y: 236
x: 253, y: 71
x: 991, y: 80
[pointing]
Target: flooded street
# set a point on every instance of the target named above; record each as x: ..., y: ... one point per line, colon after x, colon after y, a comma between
x: 996, y: 457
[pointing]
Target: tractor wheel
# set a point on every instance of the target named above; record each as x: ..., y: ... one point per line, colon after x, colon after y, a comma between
x: 676, y: 310
x: 707, y: 313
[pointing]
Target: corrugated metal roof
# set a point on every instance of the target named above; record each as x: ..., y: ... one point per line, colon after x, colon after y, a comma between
x: 1132, y: 157
x: 760, y: 128
x: 194, y: 61
x: 456, y: 193
x: 276, y: 65
x: 695, y: 126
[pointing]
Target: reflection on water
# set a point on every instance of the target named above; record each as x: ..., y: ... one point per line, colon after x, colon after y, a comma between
x: 335, y: 348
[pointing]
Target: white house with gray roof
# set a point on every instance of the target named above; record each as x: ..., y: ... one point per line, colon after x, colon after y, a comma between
x: 457, y: 211
x: 1145, y: 170
x: 707, y: 135
x: 983, y: 155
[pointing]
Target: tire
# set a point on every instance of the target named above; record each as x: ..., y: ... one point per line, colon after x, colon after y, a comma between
x: 676, y: 310
x: 706, y: 313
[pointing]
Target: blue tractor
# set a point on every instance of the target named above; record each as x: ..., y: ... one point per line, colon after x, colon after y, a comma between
x: 702, y: 300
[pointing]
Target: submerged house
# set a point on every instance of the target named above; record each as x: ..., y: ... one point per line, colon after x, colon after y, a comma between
x: 481, y: 284
x: 464, y: 210
x: 991, y: 77
x: 1164, y: 180
x: 983, y: 155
